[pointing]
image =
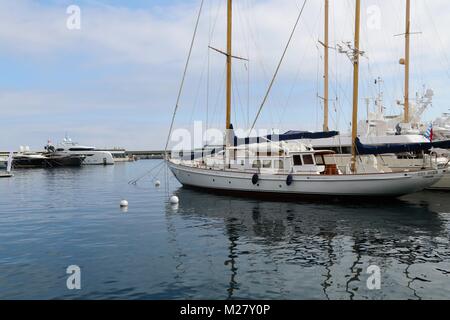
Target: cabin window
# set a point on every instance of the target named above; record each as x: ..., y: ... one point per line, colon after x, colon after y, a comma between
x: 308, y: 159
x: 279, y: 164
x: 256, y: 164
x: 319, y: 160
x: 267, y: 164
x: 297, y: 160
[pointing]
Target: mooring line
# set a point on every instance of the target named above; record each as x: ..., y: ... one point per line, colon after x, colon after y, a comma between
x: 135, y: 181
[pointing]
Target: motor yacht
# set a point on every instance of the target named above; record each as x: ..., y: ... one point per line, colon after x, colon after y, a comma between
x: 45, y: 160
x: 91, y: 155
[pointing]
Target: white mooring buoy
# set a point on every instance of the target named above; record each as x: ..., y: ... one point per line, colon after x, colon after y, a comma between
x: 174, y: 200
x: 157, y: 183
x: 124, y: 204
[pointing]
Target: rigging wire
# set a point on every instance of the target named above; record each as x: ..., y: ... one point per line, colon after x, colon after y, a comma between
x: 136, y: 180
x: 208, y: 69
x: 258, y: 54
x: 211, y: 106
x: 418, y: 53
x: 443, y: 53
x: 318, y: 104
x: 219, y: 96
x: 259, y: 57
x: 197, y: 93
x: 394, y: 83
x: 334, y: 86
x: 278, y: 67
x: 237, y: 100
x: 239, y: 73
x: 297, y: 77
x: 184, y: 75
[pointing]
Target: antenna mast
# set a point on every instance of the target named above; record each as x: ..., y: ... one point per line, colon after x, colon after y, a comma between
x: 406, y: 61
x: 356, y: 54
x: 326, y: 99
x: 229, y: 57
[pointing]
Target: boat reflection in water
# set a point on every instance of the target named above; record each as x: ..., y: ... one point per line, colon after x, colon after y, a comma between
x: 317, y: 250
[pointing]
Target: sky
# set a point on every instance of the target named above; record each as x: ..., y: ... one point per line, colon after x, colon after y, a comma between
x: 114, y: 81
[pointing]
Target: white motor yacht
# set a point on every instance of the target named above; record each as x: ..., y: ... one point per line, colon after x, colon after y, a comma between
x: 92, y: 155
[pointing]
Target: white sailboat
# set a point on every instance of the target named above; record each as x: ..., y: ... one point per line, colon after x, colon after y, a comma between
x: 276, y: 167
x: 381, y: 129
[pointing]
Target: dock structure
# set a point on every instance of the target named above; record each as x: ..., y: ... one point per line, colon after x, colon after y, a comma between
x: 138, y: 155
x: 155, y: 154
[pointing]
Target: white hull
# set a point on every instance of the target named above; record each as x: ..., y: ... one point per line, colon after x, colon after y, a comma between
x: 93, y: 157
x: 390, y: 161
x: 99, y: 158
x: 398, y: 165
x: 442, y: 184
x: 389, y: 184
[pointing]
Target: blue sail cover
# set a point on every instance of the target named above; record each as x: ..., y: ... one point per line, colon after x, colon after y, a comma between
x: 196, y: 154
x: 290, y: 135
x: 364, y: 149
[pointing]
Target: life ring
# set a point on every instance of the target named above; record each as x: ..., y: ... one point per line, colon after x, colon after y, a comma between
x: 289, y: 179
x: 255, y: 179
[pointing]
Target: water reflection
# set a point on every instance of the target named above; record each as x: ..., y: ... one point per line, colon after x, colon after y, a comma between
x: 339, y: 240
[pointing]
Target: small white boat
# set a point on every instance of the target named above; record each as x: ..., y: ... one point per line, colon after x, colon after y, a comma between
x: 91, y: 154
x: 8, y: 173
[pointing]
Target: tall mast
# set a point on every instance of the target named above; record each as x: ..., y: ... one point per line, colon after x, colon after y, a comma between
x: 407, y: 49
x: 325, y: 108
x: 229, y: 57
x: 355, y: 84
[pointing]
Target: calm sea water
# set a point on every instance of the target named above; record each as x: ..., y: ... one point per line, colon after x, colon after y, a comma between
x: 211, y: 246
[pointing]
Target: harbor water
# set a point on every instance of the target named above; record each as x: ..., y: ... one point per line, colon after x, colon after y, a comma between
x: 212, y: 246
